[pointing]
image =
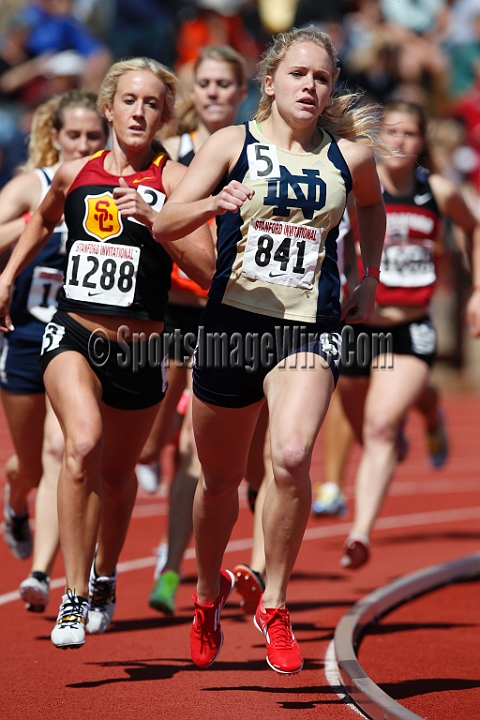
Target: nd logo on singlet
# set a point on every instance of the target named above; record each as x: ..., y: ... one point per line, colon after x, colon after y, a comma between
x: 278, y: 193
x: 102, y: 219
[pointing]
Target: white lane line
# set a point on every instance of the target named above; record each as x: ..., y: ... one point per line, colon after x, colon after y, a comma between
x: 428, y: 487
x: 332, y: 674
x: 155, y: 510
x: 436, y: 516
x: 150, y: 510
x: 398, y: 521
x: 409, y: 487
x: 419, y: 487
x: 143, y: 510
x: 395, y: 521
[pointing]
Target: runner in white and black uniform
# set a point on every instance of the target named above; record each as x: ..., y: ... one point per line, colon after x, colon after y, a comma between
x: 219, y: 87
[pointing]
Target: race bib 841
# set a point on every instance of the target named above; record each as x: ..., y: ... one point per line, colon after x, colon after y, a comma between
x: 281, y: 253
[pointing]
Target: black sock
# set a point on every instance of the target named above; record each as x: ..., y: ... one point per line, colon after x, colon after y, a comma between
x: 259, y: 578
x: 43, y: 577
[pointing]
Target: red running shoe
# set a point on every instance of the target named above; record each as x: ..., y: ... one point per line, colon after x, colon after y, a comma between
x: 356, y: 552
x: 283, y: 652
x: 206, y: 636
x: 249, y: 585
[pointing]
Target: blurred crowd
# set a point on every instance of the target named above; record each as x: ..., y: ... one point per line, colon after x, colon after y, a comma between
x: 423, y: 50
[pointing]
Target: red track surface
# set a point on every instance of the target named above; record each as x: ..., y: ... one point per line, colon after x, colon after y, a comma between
x: 425, y: 654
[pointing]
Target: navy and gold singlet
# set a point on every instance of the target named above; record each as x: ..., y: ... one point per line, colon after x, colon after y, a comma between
x: 277, y: 255
x: 114, y: 266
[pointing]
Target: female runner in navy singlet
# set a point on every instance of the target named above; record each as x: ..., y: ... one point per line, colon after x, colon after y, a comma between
x: 64, y: 128
x: 286, y: 177
x: 110, y: 316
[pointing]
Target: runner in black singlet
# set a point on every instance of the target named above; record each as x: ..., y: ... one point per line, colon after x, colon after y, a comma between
x: 102, y: 353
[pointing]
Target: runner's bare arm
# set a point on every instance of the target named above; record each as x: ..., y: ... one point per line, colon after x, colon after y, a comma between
x: 191, y: 203
x: 18, y: 199
x: 194, y: 253
x: 452, y: 204
x: 20, y: 195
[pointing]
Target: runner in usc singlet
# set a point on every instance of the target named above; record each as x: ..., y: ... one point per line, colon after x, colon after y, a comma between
x: 114, y: 265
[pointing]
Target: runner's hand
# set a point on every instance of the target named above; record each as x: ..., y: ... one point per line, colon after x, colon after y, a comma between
x: 6, y: 324
x: 472, y: 314
x: 131, y: 204
x: 360, y: 305
x: 232, y: 197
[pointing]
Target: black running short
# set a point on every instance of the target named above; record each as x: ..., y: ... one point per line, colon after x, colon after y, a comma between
x: 236, y: 349
x: 367, y: 346
x: 181, y: 330
x: 132, y: 374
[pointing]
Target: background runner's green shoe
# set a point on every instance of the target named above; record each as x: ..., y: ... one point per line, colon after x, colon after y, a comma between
x: 162, y: 596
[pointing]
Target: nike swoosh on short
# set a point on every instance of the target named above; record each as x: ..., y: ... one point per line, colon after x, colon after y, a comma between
x: 272, y: 275
x: 422, y: 199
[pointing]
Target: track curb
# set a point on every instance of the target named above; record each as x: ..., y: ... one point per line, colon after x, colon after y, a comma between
x: 370, y: 698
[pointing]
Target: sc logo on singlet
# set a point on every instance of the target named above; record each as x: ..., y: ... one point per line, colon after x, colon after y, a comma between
x: 102, y: 219
x: 309, y: 188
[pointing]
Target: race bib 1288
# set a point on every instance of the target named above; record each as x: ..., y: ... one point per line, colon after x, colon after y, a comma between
x: 102, y: 273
